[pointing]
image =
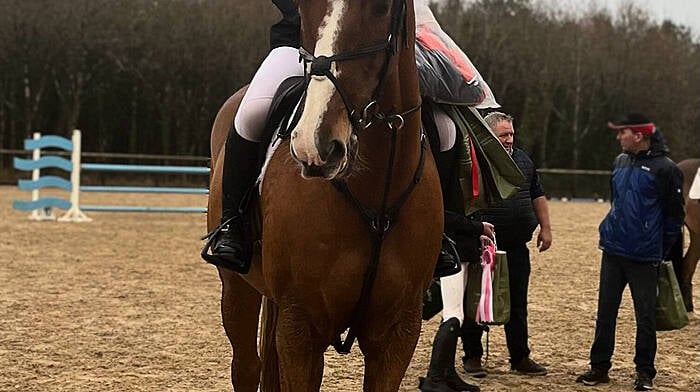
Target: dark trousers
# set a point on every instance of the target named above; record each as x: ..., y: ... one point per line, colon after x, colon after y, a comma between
x: 516, y: 328
x: 615, y: 273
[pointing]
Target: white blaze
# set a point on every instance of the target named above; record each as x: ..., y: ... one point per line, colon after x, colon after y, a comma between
x: 320, y: 89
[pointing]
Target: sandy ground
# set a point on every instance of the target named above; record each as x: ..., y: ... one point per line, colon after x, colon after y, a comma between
x: 125, y: 304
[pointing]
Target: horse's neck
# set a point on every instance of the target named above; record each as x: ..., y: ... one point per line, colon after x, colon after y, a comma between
x: 376, y: 150
x: 401, y: 93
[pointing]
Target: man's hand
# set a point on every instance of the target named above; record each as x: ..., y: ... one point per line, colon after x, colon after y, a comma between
x: 544, y: 239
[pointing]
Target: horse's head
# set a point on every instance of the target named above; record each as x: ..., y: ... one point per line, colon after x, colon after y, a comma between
x: 348, y: 46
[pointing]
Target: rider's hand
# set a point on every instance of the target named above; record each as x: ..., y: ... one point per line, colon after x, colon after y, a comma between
x: 488, y: 230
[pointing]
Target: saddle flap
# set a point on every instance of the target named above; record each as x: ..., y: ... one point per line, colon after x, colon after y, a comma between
x: 285, y: 109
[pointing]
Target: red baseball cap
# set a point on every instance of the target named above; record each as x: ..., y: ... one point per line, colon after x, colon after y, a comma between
x: 634, y: 121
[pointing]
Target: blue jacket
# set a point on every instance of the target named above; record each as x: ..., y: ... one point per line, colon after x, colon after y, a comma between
x: 646, y: 213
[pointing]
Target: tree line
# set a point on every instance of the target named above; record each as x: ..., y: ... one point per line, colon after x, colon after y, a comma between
x: 145, y: 76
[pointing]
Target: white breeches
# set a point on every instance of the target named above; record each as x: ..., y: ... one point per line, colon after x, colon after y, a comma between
x: 447, y: 130
x: 280, y: 64
x: 452, y: 289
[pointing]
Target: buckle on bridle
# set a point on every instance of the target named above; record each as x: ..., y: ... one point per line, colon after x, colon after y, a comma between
x: 320, y: 66
x: 380, y: 224
x: 395, y: 122
x: 369, y: 113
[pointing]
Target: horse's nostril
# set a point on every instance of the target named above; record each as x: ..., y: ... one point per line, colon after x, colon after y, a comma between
x: 334, y: 152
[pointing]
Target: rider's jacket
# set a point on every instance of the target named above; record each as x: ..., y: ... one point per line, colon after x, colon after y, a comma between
x: 286, y: 32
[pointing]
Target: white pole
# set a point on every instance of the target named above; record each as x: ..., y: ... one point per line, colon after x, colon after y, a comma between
x: 74, y: 214
x: 42, y: 213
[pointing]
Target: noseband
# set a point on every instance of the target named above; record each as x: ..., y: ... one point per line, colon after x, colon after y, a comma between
x: 321, y: 66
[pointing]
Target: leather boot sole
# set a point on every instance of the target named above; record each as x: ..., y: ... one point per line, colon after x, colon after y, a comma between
x: 476, y: 373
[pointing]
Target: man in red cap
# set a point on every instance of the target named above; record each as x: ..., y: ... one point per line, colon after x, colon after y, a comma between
x: 634, y: 132
x: 644, y: 222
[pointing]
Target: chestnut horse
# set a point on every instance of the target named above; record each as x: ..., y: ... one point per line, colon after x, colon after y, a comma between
x: 692, y: 221
x: 351, y: 209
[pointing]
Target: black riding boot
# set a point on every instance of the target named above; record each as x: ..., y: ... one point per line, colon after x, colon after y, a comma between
x: 442, y: 376
x: 240, y: 169
x: 448, y: 262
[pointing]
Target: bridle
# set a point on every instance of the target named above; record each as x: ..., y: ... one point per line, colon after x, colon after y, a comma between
x: 379, y: 221
x: 369, y: 114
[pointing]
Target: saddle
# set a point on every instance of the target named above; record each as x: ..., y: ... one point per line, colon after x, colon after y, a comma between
x: 285, y: 110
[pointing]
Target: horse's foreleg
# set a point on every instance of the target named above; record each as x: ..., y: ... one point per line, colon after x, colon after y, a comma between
x: 690, y: 262
x: 299, y: 353
x: 387, y: 356
x: 240, y: 309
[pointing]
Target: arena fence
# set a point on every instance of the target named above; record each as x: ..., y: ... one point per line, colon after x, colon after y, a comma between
x: 576, y: 184
x: 42, y: 207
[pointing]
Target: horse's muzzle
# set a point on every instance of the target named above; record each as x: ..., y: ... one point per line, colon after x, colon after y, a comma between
x: 335, y: 160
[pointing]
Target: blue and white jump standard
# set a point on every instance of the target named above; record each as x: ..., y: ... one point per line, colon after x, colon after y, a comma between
x: 42, y: 208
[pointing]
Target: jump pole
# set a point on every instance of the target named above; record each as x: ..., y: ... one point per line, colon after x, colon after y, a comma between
x: 74, y: 214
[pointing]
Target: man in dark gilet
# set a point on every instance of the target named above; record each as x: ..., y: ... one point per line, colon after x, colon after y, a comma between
x: 514, y: 222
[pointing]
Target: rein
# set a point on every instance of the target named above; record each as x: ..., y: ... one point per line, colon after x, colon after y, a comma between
x: 381, y: 221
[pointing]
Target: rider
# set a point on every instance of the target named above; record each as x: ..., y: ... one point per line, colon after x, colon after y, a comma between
x: 244, y: 137
x: 240, y: 159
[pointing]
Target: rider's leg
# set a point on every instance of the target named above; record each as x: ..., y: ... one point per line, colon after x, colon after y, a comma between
x: 452, y: 293
x: 442, y: 376
x: 445, y: 161
x: 240, y: 158
x: 446, y: 128
x: 281, y: 63
x: 446, y: 158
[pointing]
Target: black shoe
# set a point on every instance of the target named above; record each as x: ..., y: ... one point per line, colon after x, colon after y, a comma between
x: 448, y: 259
x: 228, y: 244
x: 456, y: 383
x: 529, y: 367
x: 227, y: 250
x: 430, y: 385
x: 594, y: 377
x: 473, y: 367
x: 643, y: 382
x: 442, y: 376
